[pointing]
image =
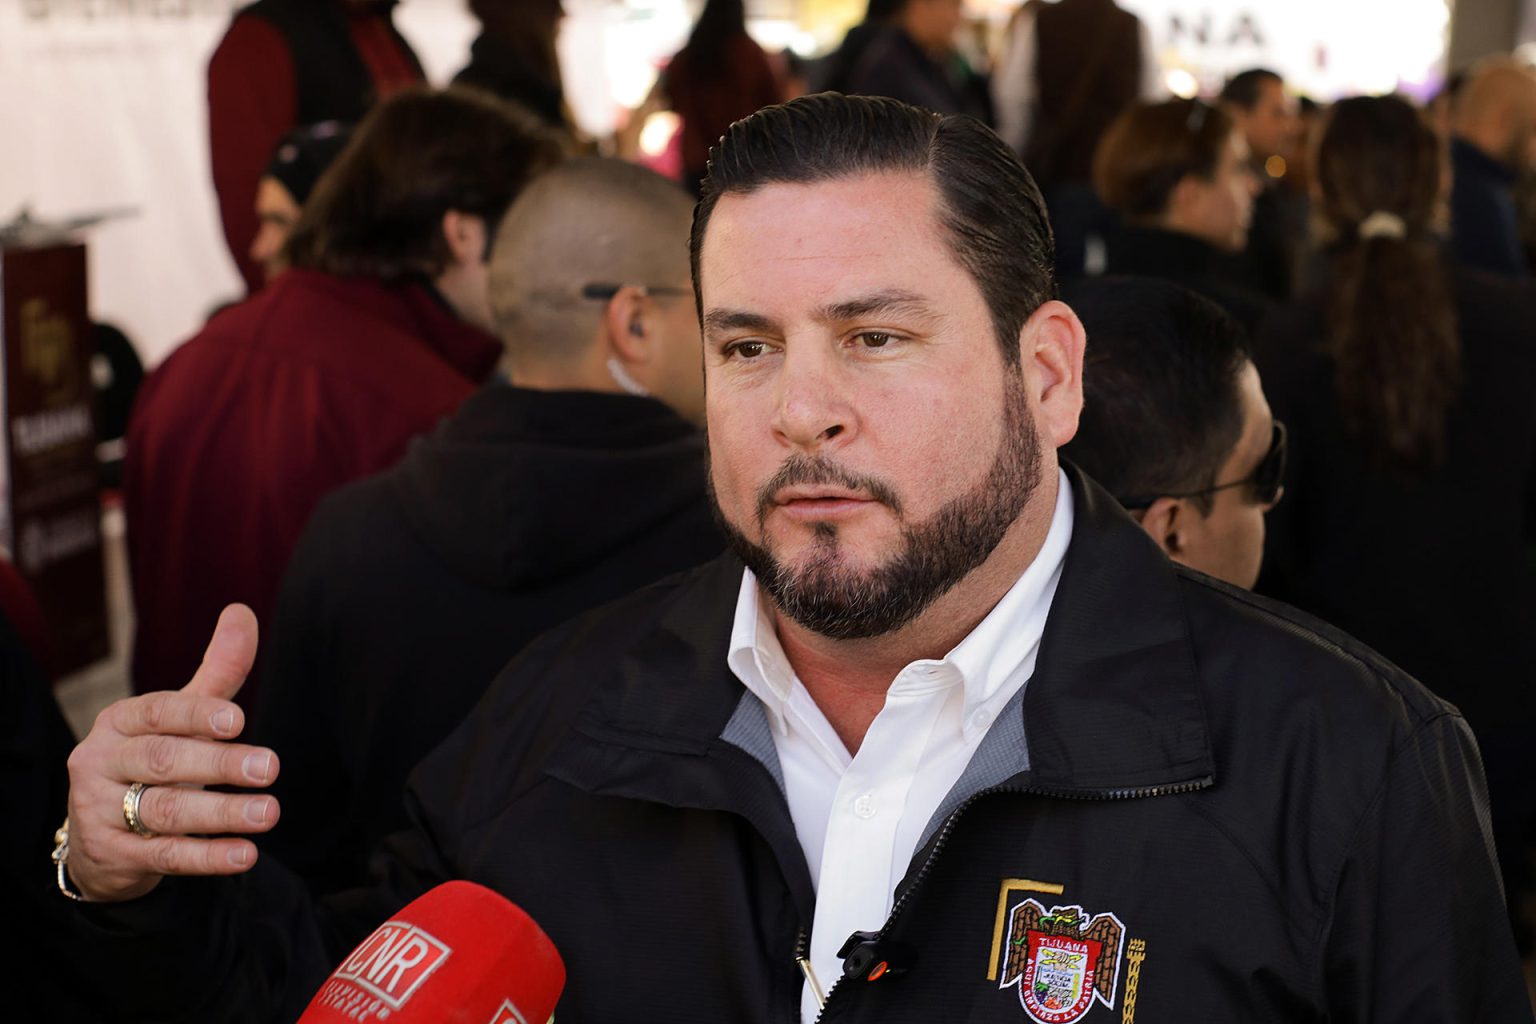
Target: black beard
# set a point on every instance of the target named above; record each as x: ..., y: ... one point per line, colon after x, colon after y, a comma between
x: 840, y: 603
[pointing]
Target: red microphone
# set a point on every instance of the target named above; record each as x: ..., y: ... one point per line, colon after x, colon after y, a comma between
x: 460, y: 954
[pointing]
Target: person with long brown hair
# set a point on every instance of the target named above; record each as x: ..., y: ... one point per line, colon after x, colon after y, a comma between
x: 1406, y: 384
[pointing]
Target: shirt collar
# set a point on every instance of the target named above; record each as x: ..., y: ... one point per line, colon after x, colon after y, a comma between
x: 986, y: 659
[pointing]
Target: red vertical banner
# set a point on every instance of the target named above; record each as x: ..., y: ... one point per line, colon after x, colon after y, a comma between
x: 50, y: 512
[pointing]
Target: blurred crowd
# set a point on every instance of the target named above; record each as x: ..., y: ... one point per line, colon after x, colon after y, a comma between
x: 462, y: 400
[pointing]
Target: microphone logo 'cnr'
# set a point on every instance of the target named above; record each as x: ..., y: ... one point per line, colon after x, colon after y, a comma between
x: 393, y: 962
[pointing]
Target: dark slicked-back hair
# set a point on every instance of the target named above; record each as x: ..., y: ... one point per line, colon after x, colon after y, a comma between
x: 988, y: 203
x: 1162, y: 410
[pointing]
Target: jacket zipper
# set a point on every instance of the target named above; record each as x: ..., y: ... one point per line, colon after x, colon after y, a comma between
x: 802, y: 946
x: 807, y: 973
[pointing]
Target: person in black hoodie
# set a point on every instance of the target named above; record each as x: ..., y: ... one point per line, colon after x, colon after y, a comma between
x: 569, y: 483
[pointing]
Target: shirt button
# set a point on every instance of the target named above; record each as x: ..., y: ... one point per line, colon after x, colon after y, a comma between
x: 980, y: 719
x: 864, y: 806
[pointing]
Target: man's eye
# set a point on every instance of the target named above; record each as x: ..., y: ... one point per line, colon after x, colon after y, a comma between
x: 875, y: 339
x: 746, y: 349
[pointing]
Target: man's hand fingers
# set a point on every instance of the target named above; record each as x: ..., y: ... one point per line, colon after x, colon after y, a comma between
x: 171, y: 760
x: 229, y: 656
x: 173, y: 713
x: 133, y: 857
x: 179, y: 810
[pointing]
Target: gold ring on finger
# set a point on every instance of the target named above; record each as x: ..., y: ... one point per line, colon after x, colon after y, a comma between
x: 131, y: 810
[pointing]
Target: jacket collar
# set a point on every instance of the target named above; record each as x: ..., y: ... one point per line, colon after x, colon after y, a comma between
x: 1114, y: 703
x: 1115, y: 700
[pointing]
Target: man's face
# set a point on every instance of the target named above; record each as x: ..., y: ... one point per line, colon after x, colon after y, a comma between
x: 276, y: 213
x: 868, y: 448
x: 1521, y: 153
x: 1272, y: 122
x: 1229, y: 542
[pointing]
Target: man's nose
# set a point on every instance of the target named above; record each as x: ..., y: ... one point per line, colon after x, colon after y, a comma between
x: 810, y: 410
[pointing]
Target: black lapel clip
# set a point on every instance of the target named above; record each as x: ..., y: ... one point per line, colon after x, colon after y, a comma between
x: 867, y: 958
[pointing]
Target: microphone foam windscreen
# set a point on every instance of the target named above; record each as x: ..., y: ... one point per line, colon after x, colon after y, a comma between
x: 459, y: 954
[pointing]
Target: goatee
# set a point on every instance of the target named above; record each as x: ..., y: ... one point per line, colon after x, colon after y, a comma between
x: 828, y: 596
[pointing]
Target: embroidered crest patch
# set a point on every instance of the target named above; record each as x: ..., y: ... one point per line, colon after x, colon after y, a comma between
x: 1062, y: 960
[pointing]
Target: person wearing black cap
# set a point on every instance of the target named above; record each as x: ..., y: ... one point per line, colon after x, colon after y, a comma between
x: 290, y: 177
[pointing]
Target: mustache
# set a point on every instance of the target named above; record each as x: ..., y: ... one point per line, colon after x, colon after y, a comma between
x: 818, y: 469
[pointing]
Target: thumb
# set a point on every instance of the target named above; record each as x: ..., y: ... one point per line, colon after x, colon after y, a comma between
x: 229, y: 656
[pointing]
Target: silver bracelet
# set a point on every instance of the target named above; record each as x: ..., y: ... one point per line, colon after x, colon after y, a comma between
x: 60, y: 856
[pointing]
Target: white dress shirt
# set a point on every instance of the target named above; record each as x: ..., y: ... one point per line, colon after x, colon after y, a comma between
x: 860, y: 818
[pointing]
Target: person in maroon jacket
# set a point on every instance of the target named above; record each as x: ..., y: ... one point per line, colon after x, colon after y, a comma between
x: 720, y: 76
x: 380, y: 328
x: 287, y: 63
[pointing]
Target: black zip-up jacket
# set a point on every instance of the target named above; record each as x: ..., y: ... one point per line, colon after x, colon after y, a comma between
x: 1205, y: 807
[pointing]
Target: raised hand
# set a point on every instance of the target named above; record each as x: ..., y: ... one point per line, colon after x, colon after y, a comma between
x: 174, y: 743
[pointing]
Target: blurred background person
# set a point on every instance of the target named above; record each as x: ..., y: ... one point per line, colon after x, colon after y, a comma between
x: 834, y: 71
x: 1178, y: 175
x: 285, y: 63
x: 290, y: 177
x: 914, y: 59
x: 1065, y: 72
x: 1266, y: 114
x: 380, y: 326
x: 1406, y: 384
x: 720, y: 76
x: 1442, y: 106
x: 1175, y: 424
x: 572, y: 481
x: 514, y: 56
x: 1493, y: 143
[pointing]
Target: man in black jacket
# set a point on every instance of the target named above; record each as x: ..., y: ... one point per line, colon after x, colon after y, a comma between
x: 1070, y: 781
x: 551, y: 491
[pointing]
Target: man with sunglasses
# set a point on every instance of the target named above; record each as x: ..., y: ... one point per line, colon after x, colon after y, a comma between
x: 1175, y: 423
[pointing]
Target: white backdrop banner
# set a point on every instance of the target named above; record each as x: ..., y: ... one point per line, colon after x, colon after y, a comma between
x: 1325, y: 48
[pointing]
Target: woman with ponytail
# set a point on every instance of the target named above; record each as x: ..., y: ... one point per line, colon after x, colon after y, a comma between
x: 1409, y: 388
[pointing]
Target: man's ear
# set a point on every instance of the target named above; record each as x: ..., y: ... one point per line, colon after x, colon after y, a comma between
x: 1051, y: 346
x: 466, y: 237
x: 1166, y: 521
x: 626, y: 324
